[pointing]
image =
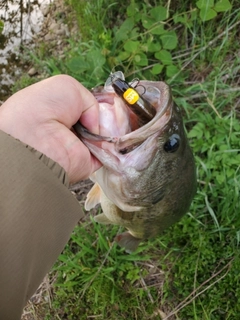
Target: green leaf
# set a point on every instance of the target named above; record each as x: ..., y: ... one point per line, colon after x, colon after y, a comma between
x: 133, y: 11
x: 172, y: 70
x: 180, y: 18
x: 154, y: 47
x: 164, y: 56
x: 131, y: 46
x: 97, y: 58
x: 134, y: 33
x: 77, y: 65
x: 208, y: 14
x: 157, y: 68
x: 159, y: 13
x: 141, y: 59
x: 158, y: 29
x: 122, y: 32
x: 205, y: 4
x: 123, y: 55
x: 169, y: 40
x: 222, y: 6
x: 147, y: 22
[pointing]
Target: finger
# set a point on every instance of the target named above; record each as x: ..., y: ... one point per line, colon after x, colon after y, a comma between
x: 70, y: 101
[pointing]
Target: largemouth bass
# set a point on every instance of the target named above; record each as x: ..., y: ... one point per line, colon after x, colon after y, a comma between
x: 148, y: 177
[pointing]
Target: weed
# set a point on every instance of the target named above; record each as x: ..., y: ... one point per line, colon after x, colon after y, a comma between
x: 192, y: 270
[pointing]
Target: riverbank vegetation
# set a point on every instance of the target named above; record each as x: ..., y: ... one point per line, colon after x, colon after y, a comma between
x: 192, y: 270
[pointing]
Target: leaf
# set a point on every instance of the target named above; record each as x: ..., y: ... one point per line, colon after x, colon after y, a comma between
x: 164, y: 56
x: 123, y: 55
x: 172, y: 70
x: 169, y: 40
x: 208, y: 14
x: 180, y: 18
x: 147, y: 22
x: 205, y: 4
x: 159, y: 13
x: 158, y: 29
x: 154, y: 47
x: 97, y: 58
x: 157, y: 68
x: 122, y: 32
x: 196, y: 131
x: 133, y: 11
x: 131, y: 46
x: 77, y: 64
x: 141, y: 59
x: 222, y: 6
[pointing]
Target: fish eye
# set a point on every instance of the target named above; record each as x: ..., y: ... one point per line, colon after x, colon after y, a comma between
x: 172, y: 144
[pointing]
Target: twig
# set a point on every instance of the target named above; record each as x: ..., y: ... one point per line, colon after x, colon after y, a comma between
x: 204, y: 94
x: 194, y: 295
x: 145, y: 286
x: 205, y: 47
x: 159, y: 312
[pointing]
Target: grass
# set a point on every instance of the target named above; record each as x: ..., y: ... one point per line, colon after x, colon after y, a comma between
x: 192, y: 270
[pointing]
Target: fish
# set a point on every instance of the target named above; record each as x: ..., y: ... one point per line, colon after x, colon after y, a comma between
x: 148, y: 178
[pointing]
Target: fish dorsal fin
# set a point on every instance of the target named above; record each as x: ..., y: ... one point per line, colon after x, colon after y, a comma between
x: 101, y: 218
x: 93, y: 197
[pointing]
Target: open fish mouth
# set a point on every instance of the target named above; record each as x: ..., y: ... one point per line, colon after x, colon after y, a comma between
x: 128, y: 124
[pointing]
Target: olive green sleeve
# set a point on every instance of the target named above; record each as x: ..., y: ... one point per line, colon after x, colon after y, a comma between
x: 37, y: 215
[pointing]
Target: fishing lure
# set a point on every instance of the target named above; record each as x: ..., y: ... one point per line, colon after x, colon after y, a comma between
x: 135, y: 101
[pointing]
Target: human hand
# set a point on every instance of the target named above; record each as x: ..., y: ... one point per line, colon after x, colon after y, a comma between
x: 42, y: 116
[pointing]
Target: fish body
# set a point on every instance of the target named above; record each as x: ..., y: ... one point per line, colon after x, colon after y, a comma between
x: 148, y: 178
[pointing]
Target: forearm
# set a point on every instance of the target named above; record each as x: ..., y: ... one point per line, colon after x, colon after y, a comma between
x: 37, y: 215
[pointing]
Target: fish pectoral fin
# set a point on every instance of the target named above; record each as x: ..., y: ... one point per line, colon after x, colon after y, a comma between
x: 101, y: 218
x: 93, y: 197
x: 127, y: 241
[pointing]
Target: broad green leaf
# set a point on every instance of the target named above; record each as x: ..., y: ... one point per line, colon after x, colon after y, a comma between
x: 131, y: 46
x: 158, y: 29
x: 123, y: 55
x: 164, y: 56
x: 169, y: 40
x: 205, y: 4
x: 97, y: 58
x: 222, y: 6
x: 154, y: 47
x: 147, y: 22
x: 134, y: 33
x: 125, y: 28
x: 172, y: 70
x: 159, y: 13
x: 208, y: 14
x: 157, y: 68
x: 141, y: 59
x: 133, y: 11
x: 77, y: 64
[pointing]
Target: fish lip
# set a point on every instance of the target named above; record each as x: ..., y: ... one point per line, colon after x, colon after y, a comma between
x: 157, y: 124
